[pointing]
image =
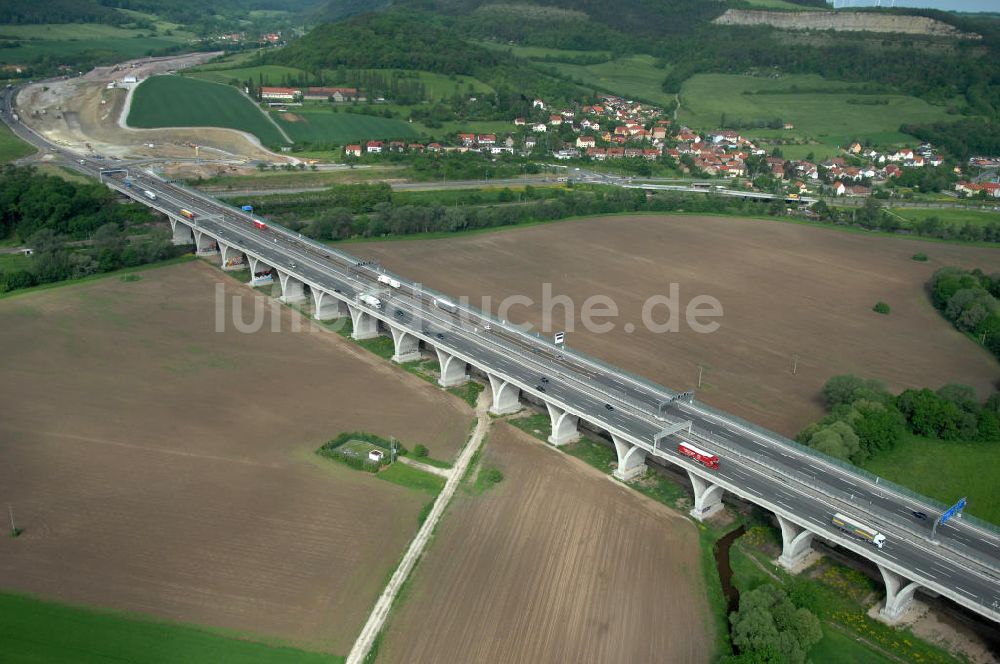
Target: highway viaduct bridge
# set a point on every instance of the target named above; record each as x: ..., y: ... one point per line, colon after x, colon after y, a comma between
x: 645, y: 421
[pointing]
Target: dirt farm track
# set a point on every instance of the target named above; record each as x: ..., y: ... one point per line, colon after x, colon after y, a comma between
x: 557, y: 563
x: 786, y: 290
x: 160, y: 467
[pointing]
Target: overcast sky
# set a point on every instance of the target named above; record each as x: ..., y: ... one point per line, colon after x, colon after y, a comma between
x: 953, y: 5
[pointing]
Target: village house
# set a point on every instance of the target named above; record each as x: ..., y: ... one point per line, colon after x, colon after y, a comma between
x: 332, y: 94
x: 555, y: 120
x: 519, y: 122
x: 539, y: 128
x: 486, y: 139
x: 838, y: 188
x: 467, y: 139
x: 353, y: 150
x: 585, y: 142
x: 374, y: 147
x: 596, y: 153
x: 280, y: 94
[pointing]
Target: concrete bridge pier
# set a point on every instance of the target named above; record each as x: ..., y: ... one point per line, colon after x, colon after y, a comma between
x: 796, y: 543
x: 506, y: 396
x: 631, y: 460
x: 707, y: 497
x: 407, y: 346
x: 452, y: 369
x: 231, y: 258
x: 205, y: 244
x: 326, y: 306
x: 292, y: 289
x: 182, y: 232
x: 259, y: 267
x: 363, y: 324
x: 563, y: 426
x: 898, y: 595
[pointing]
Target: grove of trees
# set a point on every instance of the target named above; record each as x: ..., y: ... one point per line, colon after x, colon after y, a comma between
x: 73, y: 229
x: 970, y: 299
x: 866, y: 420
x: 769, y: 628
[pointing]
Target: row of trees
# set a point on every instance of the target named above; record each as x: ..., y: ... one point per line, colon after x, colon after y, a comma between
x: 970, y: 299
x: 872, y: 216
x: 315, y: 216
x: 866, y: 420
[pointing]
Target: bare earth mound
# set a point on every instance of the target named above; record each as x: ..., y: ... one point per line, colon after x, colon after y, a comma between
x: 555, y: 564
x: 786, y: 290
x: 158, y: 466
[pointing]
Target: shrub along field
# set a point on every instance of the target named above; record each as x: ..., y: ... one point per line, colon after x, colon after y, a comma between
x: 178, y: 101
x: 828, y: 111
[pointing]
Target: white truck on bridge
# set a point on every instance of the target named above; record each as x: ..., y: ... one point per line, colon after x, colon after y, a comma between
x: 371, y: 301
x: 857, y: 529
x: 388, y: 281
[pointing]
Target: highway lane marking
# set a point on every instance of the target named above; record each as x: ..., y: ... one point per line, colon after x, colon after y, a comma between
x: 925, y: 573
x: 963, y: 590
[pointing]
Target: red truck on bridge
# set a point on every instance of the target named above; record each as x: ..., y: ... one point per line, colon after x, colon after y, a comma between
x: 706, y: 459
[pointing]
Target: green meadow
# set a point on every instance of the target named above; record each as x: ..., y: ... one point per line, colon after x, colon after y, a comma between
x: 179, y: 101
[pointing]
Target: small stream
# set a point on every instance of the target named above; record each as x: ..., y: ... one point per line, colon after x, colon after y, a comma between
x: 721, y: 551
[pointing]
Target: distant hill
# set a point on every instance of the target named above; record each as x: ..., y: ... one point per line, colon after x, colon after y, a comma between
x: 406, y: 39
x: 914, y: 52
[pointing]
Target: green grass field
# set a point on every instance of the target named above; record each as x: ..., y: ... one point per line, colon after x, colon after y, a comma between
x: 412, y: 478
x: 437, y: 86
x: 63, y: 41
x: 44, y: 632
x: 826, y: 118
x: 178, y: 101
x: 635, y: 76
x: 947, y: 215
x: 946, y: 471
x: 323, y: 126
x: 12, y: 147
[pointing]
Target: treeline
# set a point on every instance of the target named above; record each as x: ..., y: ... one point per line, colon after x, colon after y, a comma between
x: 866, y: 420
x: 60, y: 11
x: 73, y: 229
x: 970, y: 299
x: 387, y: 218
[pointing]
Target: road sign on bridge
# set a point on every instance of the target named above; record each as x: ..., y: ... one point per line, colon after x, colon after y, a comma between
x: 950, y: 513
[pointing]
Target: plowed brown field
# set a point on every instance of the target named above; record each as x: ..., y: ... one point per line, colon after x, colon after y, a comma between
x: 786, y: 290
x: 156, y: 465
x: 557, y: 563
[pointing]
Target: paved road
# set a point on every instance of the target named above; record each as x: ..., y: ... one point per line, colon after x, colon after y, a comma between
x: 759, y: 466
